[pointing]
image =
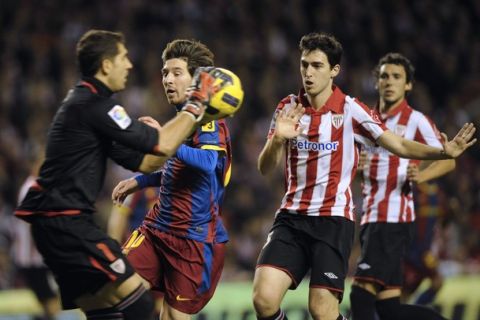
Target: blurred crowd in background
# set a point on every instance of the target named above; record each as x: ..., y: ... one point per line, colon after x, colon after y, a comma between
x: 259, y: 41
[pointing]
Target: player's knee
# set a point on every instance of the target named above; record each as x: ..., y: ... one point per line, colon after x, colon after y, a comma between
x: 323, y: 304
x: 265, y: 301
x: 139, y: 305
x: 172, y: 313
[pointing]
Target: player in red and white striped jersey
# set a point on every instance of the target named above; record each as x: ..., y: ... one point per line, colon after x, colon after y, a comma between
x: 319, y: 130
x: 388, y: 211
x: 28, y: 260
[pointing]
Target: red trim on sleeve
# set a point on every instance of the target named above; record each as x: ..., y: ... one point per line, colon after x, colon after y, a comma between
x: 89, y: 86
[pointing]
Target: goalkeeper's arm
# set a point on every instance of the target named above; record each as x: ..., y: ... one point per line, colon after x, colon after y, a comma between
x: 204, y: 160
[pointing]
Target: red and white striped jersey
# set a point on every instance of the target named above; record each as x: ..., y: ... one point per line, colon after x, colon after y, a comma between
x: 24, y: 251
x: 387, y: 194
x: 321, y: 162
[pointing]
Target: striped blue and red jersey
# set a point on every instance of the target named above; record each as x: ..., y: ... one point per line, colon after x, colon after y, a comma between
x: 189, y: 198
x: 137, y: 204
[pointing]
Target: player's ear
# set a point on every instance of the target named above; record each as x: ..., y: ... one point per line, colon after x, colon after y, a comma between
x: 335, y: 71
x: 408, y: 86
x: 106, y: 66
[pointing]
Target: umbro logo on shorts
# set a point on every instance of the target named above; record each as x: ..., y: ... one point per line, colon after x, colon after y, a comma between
x: 364, y: 266
x: 331, y: 275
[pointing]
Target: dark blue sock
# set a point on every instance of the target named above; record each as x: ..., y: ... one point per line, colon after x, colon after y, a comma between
x: 426, y: 297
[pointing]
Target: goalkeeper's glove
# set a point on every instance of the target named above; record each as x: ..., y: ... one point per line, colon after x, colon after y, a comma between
x: 200, y: 92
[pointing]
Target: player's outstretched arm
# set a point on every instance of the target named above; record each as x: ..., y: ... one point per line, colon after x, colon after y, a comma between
x: 150, y: 162
x: 123, y: 189
x: 118, y: 222
x: 431, y: 171
x: 461, y: 142
x: 139, y: 182
x: 413, y: 150
x: 286, y: 127
x: 362, y: 162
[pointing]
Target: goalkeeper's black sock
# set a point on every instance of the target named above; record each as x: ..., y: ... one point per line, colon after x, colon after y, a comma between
x: 392, y: 309
x: 279, y: 315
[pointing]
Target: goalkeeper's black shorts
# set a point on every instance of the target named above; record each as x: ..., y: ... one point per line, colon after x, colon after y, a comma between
x: 81, y: 256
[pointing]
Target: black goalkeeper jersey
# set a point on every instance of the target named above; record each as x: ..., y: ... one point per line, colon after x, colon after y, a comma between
x: 88, y: 128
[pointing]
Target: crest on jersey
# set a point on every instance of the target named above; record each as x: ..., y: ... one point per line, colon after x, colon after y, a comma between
x: 118, y: 266
x: 337, y: 120
x: 375, y: 116
x: 400, y: 130
x: 120, y: 116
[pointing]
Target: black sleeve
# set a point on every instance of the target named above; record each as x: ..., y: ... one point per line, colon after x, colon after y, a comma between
x: 126, y: 157
x: 111, y: 120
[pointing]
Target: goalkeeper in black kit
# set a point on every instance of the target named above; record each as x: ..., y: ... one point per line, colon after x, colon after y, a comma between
x: 89, y: 127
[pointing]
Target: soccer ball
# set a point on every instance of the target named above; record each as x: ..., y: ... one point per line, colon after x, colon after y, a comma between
x: 227, y: 99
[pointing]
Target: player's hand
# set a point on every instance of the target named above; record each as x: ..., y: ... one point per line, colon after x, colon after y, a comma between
x: 412, y: 172
x: 123, y: 189
x: 462, y: 141
x: 150, y: 122
x: 362, y: 160
x: 287, y: 125
x: 200, y: 92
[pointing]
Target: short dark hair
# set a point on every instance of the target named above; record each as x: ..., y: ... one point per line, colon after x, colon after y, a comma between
x: 398, y: 59
x: 95, y: 46
x: 323, y: 42
x: 195, y: 53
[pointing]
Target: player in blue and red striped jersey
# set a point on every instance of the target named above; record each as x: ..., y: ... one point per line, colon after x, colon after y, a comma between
x: 179, y: 249
x: 421, y: 260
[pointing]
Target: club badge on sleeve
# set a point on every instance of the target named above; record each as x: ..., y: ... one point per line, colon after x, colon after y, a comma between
x: 120, y: 116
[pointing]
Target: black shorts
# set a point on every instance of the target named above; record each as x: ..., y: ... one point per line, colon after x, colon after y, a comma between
x: 384, y: 246
x: 297, y: 244
x: 81, y: 256
x: 41, y: 281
